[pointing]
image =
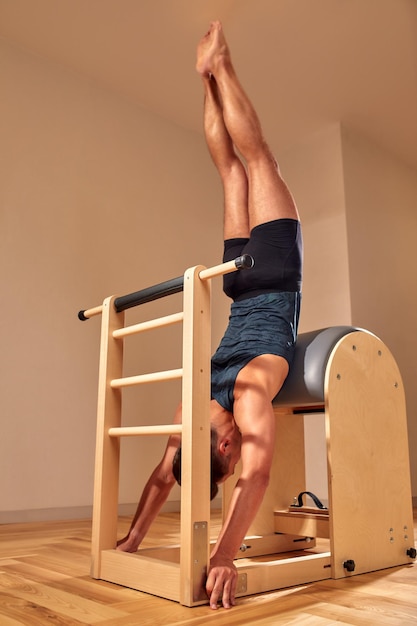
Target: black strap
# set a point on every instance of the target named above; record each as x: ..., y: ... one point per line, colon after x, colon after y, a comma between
x: 315, y: 499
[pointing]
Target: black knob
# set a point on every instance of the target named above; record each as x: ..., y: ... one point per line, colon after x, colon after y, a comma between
x: 349, y: 565
x: 412, y: 553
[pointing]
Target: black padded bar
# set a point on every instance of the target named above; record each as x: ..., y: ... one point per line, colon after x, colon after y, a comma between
x: 305, y: 382
x: 167, y: 288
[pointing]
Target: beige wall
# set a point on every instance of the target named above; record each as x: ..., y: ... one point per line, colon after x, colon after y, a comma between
x: 381, y: 201
x: 98, y: 196
x: 358, y: 206
x: 314, y: 172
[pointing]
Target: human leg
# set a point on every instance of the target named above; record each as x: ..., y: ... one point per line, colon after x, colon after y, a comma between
x: 228, y: 164
x: 268, y: 195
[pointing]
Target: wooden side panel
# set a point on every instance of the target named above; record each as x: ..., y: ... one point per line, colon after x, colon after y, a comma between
x: 106, y: 477
x: 368, y: 462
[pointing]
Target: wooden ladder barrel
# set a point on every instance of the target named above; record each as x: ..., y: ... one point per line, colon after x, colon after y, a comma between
x: 346, y: 373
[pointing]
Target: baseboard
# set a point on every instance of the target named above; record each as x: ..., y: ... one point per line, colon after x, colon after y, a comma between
x: 86, y: 512
x: 81, y: 512
x: 46, y: 515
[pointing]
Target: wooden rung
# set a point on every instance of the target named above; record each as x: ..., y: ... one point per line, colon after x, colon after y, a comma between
x: 218, y: 270
x: 304, y: 523
x: 261, y: 575
x: 273, y: 544
x: 116, y: 383
x: 134, y: 431
x: 96, y: 310
x: 159, y: 322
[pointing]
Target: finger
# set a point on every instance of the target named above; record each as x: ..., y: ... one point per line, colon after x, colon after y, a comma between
x: 214, y: 598
x: 226, y: 596
x: 228, y: 599
x: 211, y: 579
x: 212, y: 591
x: 233, y: 591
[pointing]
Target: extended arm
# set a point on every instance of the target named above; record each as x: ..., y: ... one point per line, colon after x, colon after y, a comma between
x: 154, y: 495
x: 257, y: 425
x: 256, y: 385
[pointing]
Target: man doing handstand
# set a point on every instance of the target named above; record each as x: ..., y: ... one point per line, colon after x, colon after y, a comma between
x: 253, y: 358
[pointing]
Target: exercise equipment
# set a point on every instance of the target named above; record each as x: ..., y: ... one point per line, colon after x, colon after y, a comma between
x: 346, y: 373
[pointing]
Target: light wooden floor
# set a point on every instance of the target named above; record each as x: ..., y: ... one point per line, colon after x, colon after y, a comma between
x: 44, y: 579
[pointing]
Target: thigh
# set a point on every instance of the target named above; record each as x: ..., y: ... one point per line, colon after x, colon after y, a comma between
x: 235, y: 192
x: 269, y: 196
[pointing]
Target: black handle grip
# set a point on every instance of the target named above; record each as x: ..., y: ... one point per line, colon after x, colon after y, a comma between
x: 244, y: 262
x: 315, y: 499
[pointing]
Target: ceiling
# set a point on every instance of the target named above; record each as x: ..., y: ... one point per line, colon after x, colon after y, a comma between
x: 305, y: 63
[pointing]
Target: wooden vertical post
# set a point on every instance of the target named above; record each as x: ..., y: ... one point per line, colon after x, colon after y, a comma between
x: 287, y: 477
x: 106, y: 481
x: 195, y: 455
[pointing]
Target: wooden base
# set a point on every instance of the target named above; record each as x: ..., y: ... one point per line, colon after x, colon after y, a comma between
x: 145, y: 570
x: 43, y: 582
x: 142, y: 573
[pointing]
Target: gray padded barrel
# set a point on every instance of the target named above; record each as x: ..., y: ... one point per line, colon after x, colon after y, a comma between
x: 305, y: 382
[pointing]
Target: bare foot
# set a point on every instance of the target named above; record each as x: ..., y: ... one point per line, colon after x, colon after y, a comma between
x: 211, y: 49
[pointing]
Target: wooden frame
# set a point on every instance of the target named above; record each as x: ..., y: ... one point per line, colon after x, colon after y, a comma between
x: 370, y: 520
x: 182, y: 575
x: 183, y: 581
